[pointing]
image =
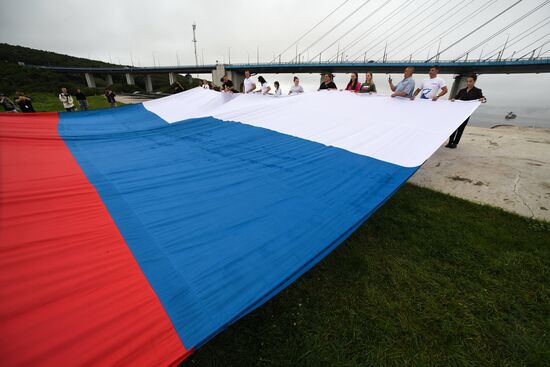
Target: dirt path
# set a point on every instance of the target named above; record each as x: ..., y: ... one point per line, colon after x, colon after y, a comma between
x: 507, y: 167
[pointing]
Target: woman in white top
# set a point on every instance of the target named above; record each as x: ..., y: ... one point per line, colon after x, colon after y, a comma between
x: 278, y: 90
x: 265, y: 87
x: 296, y: 88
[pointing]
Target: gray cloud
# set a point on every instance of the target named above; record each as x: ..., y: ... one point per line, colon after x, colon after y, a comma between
x: 115, y: 30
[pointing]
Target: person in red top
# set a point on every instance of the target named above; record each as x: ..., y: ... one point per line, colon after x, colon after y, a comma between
x: 354, y: 84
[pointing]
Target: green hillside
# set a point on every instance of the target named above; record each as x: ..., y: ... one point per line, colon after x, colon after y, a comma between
x: 17, y: 75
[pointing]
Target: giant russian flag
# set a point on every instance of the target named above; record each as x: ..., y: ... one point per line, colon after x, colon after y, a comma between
x: 131, y: 236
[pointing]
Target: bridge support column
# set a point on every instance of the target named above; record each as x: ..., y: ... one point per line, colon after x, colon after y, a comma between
x: 172, y: 77
x: 458, y: 84
x: 236, y: 77
x: 109, y: 79
x: 130, y: 79
x: 90, y: 81
x: 217, y: 74
x: 148, y: 84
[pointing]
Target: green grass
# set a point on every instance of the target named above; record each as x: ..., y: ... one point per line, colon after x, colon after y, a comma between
x: 429, y: 280
x: 48, y: 102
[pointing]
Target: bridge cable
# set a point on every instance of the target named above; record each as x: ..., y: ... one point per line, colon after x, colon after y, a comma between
x: 514, y: 40
x: 385, y: 37
x: 529, y: 45
x: 366, y: 32
x: 351, y: 29
x: 408, y: 30
x: 429, y: 28
x: 332, y: 29
x: 452, y: 27
x: 311, y: 29
x: 511, y: 24
x: 475, y: 30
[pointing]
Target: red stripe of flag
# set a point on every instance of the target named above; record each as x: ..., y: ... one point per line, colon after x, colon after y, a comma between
x: 71, y: 293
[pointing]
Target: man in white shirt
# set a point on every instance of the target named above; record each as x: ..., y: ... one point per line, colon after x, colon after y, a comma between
x: 432, y: 87
x: 249, y: 84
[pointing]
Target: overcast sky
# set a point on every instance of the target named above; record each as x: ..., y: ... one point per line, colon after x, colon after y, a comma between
x: 137, y: 31
x: 103, y: 29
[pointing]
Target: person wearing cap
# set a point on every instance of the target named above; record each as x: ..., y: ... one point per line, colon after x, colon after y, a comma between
x: 327, y: 82
x: 404, y: 88
x: 7, y: 103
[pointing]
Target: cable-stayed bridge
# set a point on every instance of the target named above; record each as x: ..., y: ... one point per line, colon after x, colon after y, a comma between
x: 385, y: 36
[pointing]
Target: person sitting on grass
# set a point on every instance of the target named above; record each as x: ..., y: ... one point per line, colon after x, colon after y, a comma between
x: 7, y: 103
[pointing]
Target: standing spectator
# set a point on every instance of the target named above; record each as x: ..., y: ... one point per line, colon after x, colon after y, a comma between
x: 353, y: 84
x: 296, y: 88
x: 67, y: 100
x: 82, y: 101
x: 278, y: 91
x: 470, y: 93
x: 8, y: 105
x: 228, y: 87
x: 327, y: 82
x: 110, y: 95
x: 225, y: 80
x: 431, y: 86
x: 24, y: 102
x: 404, y: 88
x: 368, y: 86
x: 265, y: 88
x: 248, y: 83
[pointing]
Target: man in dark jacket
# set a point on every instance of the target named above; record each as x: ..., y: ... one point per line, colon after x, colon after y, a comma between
x: 82, y: 100
x: 470, y: 93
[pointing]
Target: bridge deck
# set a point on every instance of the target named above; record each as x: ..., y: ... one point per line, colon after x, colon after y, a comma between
x: 541, y: 65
